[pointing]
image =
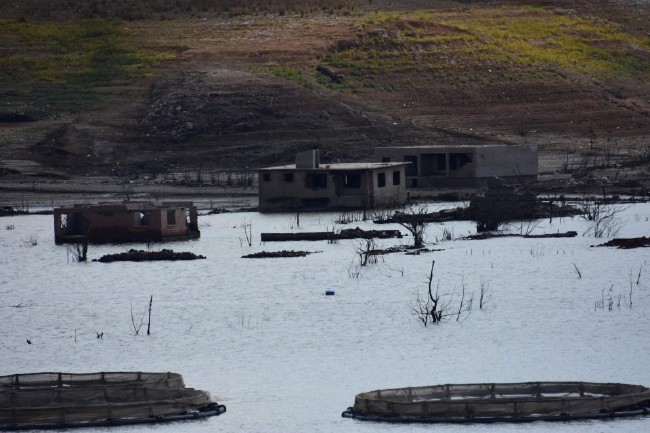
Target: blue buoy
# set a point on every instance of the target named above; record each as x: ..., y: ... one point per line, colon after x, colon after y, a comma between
x: 329, y: 292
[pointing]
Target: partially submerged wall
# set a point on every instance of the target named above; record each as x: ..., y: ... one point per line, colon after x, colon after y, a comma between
x: 506, y: 161
x: 125, y: 222
x: 462, y: 165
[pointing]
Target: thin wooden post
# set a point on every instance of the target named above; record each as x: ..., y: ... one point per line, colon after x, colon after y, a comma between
x: 149, y: 321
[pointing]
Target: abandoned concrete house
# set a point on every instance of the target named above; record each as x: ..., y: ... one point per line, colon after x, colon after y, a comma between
x: 126, y: 222
x: 308, y: 185
x: 462, y: 165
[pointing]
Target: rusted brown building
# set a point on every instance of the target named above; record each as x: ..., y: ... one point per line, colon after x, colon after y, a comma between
x: 126, y: 222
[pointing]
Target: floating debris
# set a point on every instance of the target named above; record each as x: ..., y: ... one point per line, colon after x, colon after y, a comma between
x: 283, y: 253
x: 355, y: 233
x: 147, y: 256
x: 627, y: 243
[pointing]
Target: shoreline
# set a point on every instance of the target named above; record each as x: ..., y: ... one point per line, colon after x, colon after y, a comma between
x: 41, y: 194
x: 47, y: 194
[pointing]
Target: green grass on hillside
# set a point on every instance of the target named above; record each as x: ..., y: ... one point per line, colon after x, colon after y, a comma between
x: 69, y: 58
x: 455, y: 43
x: 291, y: 74
x: 537, y: 36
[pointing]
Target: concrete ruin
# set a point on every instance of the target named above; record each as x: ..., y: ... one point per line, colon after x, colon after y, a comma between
x: 126, y: 222
x: 462, y: 165
x: 308, y: 185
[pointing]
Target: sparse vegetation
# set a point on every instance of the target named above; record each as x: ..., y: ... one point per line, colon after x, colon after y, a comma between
x: 60, y: 63
x: 243, y: 320
x: 31, y: 241
x: 437, y: 307
x: 247, y: 227
x: 538, y: 36
x: 413, y: 221
x: 367, y: 252
x: 521, y: 36
x: 137, y: 325
x: 25, y: 304
x: 291, y: 74
x: 78, y: 251
x: 484, y: 293
x: 604, y: 220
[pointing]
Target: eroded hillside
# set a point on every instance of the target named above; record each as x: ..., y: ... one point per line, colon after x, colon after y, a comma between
x: 222, y: 90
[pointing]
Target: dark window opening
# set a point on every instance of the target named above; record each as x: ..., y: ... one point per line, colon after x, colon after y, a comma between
x: 385, y: 159
x: 316, y: 180
x: 171, y: 217
x: 397, y: 179
x: 441, y: 161
x: 412, y: 168
x: 266, y: 177
x: 287, y: 177
x: 458, y: 160
x: 381, y: 180
x: 143, y: 219
x: 352, y: 180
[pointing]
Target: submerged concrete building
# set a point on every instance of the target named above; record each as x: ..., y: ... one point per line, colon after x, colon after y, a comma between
x: 462, y: 165
x: 126, y: 222
x: 309, y: 185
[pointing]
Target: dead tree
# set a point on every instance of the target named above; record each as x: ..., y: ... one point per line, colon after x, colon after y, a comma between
x: 149, y: 321
x: 248, y: 233
x: 367, y: 252
x: 484, y: 294
x: 78, y: 250
x: 604, y: 220
x: 138, y: 325
x: 414, y: 220
x: 436, y: 307
x: 431, y: 310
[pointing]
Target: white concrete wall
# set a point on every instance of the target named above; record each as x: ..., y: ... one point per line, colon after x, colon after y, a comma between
x: 390, y: 194
x: 504, y: 161
x: 488, y: 160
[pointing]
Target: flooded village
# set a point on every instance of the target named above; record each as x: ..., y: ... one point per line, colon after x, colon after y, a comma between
x: 341, y: 273
x: 324, y: 216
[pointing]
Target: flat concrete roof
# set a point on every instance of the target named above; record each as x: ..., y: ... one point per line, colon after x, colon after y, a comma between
x: 455, y: 146
x: 341, y: 166
x: 127, y: 205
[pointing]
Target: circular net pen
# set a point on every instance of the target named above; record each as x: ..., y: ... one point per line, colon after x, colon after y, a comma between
x: 501, y: 402
x: 60, y: 400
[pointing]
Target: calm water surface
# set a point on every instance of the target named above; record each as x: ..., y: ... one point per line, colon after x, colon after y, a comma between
x: 262, y: 337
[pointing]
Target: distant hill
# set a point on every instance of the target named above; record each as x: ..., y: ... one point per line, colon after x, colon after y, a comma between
x: 152, y: 87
